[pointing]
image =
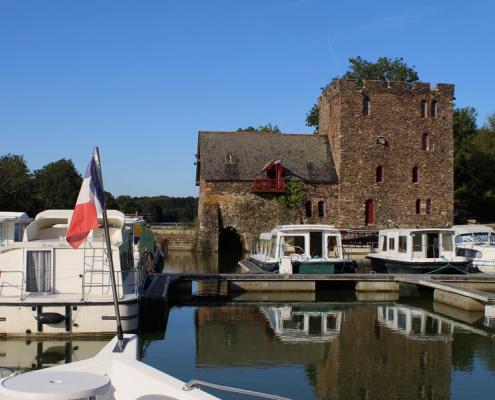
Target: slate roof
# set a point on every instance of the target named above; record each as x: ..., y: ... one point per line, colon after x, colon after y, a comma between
x: 307, y: 156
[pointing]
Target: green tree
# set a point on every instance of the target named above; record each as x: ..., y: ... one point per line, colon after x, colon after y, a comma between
x: 262, y: 128
x: 16, y: 188
x: 57, y: 185
x: 126, y: 204
x: 383, y: 69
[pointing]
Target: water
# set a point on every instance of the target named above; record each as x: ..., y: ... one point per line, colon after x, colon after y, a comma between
x: 330, y: 350
x: 328, y: 346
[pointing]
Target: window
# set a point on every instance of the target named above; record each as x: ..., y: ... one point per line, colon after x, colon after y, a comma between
x: 424, y: 106
x: 384, y: 243
x: 434, y: 109
x: 369, y: 216
x: 366, y: 106
x: 229, y: 159
x: 425, y: 142
x: 38, y: 271
x: 309, y: 209
x: 447, y: 242
x: 321, y: 209
x: 293, y: 245
x: 428, y: 206
x: 379, y: 174
x: 3, y: 233
x: 418, y: 206
x: 415, y: 175
x: 417, y: 242
x: 391, y: 243
x: 402, y: 244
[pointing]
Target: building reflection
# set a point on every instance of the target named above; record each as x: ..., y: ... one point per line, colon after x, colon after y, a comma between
x: 35, y: 354
x: 348, y: 351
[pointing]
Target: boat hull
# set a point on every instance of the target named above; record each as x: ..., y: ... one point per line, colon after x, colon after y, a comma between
x: 83, y: 318
x: 310, y: 267
x: 386, y: 266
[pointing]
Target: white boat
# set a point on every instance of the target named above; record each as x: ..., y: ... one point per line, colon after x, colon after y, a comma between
x: 12, y: 225
x: 477, y: 243
x: 416, y: 251
x: 110, y: 375
x: 301, y: 249
x: 47, y: 287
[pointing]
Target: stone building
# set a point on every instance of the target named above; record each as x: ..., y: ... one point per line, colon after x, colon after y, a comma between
x: 383, y: 157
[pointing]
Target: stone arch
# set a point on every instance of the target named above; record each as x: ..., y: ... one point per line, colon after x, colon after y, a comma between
x: 230, y: 241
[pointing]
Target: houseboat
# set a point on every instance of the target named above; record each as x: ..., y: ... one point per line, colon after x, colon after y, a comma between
x: 301, y: 249
x: 477, y: 243
x: 12, y: 225
x: 417, y: 251
x: 47, y: 287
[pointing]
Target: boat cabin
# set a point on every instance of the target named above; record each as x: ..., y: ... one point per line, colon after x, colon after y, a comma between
x: 312, y: 241
x: 416, y: 244
x: 12, y: 225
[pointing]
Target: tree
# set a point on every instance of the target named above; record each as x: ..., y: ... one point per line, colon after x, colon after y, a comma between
x: 57, y: 185
x: 383, y: 69
x: 126, y: 204
x: 262, y: 128
x: 16, y: 188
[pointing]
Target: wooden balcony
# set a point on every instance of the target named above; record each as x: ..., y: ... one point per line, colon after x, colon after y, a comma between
x: 268, y: 185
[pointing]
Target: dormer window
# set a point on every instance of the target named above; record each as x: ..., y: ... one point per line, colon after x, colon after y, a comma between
x: 229, y: 158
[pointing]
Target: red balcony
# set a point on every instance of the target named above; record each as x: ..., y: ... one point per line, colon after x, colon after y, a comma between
x: 268, y: 185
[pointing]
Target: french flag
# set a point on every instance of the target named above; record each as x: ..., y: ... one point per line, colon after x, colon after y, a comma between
x: 89, y: 204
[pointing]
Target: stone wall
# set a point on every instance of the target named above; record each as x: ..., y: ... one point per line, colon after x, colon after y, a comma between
x: 225, y: 204
x: 396, y: 117
x: 177, y: 239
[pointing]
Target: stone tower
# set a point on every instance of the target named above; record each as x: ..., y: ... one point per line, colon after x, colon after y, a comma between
x: 392, y: 144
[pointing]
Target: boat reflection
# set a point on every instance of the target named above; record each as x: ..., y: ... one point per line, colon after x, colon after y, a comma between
x: 36, y: 354
x: 294, y: 324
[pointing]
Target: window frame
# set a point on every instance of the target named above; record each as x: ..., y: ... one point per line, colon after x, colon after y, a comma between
x: 52, y: 270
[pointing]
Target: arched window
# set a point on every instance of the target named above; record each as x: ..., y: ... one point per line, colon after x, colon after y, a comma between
x: 428, y: 206
x: 425, y: 142
x: 369, y: 213
x: 309, y: 209
x: 379, y: 174
x: 424, y: 109
x: 434, y: 109
x: 418, y: 206
x: 415, y: 175
x: 366, y: 105
x: 321, y: 209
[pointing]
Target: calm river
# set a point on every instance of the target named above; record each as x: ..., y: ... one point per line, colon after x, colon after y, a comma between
x: 337, y: 347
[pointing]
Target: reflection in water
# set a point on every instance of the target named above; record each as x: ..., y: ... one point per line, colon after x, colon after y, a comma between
x: 35, y: 354
x: 213, y: 263
x: 334, y: 350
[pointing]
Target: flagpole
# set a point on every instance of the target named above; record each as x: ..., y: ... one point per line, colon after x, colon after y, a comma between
x: 120, y: 332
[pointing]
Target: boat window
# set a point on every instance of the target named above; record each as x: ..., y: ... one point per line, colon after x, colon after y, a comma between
x: 417, y: 243
x: 384, y: 243
x: 447, y: 242
x: 332, y: 249
x: 475, y: 237
x: 39, y: 271
x: 293, y: 245
x: 3, y: 233
x: 273, y: 251
x: 391, y: 243
x: 402, y: 244
x: 18, y: 232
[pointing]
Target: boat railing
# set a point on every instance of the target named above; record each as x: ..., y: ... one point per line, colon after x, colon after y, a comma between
x: 10, y: 283
x: 196, y: 383
x: 100, y: 279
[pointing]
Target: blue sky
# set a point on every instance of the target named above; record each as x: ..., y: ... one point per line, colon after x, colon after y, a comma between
x: 140, y: 78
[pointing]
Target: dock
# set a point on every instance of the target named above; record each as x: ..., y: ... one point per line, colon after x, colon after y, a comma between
x: 473, y: 292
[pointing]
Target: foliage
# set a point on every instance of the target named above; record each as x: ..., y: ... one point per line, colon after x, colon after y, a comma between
x: 384, y: 69
x: 295, y: 194
x: 262, y: 128
x: 16, y: 188
x: 474, y: 165
x: 57, y: 185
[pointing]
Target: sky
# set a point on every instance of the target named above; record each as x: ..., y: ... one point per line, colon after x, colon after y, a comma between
x: 140, y: 78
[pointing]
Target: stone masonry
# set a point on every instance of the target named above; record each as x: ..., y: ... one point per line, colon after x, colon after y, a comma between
x: 392, y: 125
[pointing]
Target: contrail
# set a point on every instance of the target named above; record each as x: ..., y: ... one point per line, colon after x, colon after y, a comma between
x: 329, y: 40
